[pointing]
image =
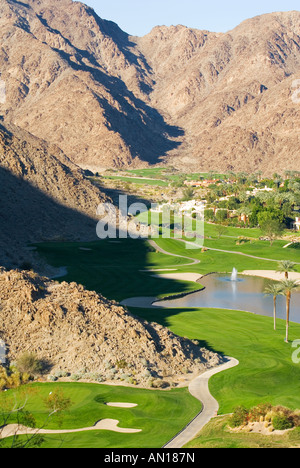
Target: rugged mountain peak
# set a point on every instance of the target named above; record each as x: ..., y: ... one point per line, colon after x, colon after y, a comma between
x: 108, y: 99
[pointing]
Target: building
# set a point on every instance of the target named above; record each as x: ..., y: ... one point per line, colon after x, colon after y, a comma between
x: 296, y: 224
x: 202, y: 183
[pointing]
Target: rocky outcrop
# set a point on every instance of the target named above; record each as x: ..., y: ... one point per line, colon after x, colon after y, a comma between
x: 79, y: 331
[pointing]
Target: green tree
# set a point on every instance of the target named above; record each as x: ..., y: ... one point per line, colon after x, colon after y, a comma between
x: 188, y: 194
x: 274, y: 289
x: 270, y: 226
x: 286, y: 267
x: 221, y: 216
x: 13, y: 412
x: 287, y: 287
x: 220, y: 229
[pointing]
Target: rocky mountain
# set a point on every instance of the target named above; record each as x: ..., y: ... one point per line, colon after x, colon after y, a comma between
x: 43, y: 196
x: 71, y: 83
x: 78, y: 331
x: 192, y: 99
x: 232, y: 93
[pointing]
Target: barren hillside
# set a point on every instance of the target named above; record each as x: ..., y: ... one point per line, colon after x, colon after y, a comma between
x: 78, y: 331
x: 194, y: 99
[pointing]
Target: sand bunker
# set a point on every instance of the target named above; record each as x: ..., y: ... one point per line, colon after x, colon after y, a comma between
x: 122, y: 405
x: 271, y: 274
x: 195, y: 277
x: 105, y: 424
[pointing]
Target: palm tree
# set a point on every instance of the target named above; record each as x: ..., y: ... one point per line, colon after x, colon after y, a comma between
x: 286, y: 266
x: 274, y: 289
x: 288, y: 286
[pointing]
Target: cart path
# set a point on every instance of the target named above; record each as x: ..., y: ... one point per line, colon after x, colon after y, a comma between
x: 193, y: 261
x: 199, y: 388
x: 234, y: 252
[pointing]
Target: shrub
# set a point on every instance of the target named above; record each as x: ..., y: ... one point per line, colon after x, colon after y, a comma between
x: 295, y: 245
x: 259, y: 412
x: 30, y: 364
x: 12, y: 378
x: 60, y: 374
x: 52, y: 378
x: 239, y: 417
x: 76, y: 377
x: 281, y: 422
x: 122, y: 364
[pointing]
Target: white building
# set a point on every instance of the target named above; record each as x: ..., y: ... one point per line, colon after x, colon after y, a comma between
x: 187, y: 207
x: 296, y: 224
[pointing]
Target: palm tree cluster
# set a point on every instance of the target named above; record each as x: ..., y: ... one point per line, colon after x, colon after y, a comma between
x: 285, y: 287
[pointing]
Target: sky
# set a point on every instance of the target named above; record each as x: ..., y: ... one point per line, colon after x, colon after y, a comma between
x: 138, y: 17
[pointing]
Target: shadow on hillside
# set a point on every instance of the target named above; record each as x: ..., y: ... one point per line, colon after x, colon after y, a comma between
x: 142, y: 127
x: 115, y: 193
x: 28, y: 215
x: 162, y: 316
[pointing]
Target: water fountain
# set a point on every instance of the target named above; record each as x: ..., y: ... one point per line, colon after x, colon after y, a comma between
x: 234, y: 275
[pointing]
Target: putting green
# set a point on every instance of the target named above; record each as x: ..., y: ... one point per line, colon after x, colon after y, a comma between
x: 160, y: 414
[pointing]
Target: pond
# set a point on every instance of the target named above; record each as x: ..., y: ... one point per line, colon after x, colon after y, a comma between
x: 245, y: 293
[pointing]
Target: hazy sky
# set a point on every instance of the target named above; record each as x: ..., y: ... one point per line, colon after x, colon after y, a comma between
x: 138, y: 17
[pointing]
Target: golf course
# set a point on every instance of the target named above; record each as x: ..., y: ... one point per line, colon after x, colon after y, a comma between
x: 124, y: 268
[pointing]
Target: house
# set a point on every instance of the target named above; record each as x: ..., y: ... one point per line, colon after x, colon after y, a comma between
x: 203, y: 183
x: 296, y: 224
x: 193, y: 183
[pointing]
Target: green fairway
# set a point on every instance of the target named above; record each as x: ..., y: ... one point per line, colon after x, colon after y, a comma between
x: 116, y: 270
x: 266, y: 363
x: 160, y: 414
x: 266, y: 372
x: 133, y: 180
x: 120, y: 269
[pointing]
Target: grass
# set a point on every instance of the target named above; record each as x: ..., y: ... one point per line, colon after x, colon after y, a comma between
x: 160, y: 414
x: 266, y: 372
x: 119, y: 269
x: 163, y: 176
x: 164, y: 173
x: 132, y: 180
x: 224, y: 262
x: 216, y: 435
x: 116, y: 270
x: 266, y: 363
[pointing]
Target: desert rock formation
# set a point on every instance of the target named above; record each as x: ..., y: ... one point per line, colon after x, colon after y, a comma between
x: 193, y: 99
x: 79, y: 331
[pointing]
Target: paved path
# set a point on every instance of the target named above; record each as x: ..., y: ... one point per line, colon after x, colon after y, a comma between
x: 193, y: 261
x: 234, y: 252
x: 199, y: 388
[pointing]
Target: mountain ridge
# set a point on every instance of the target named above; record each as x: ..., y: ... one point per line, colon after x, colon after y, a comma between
x: 178, y: 96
